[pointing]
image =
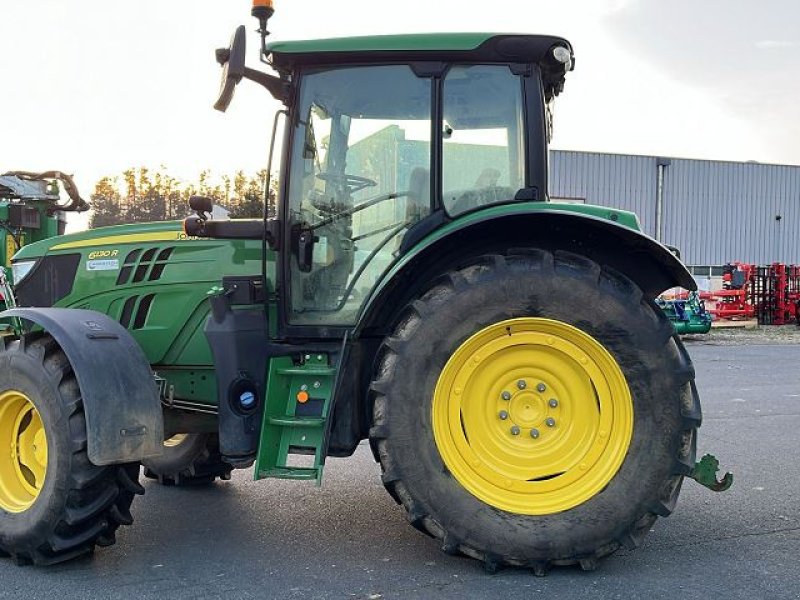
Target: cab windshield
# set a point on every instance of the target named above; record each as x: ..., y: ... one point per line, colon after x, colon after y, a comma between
x: 360, y: 171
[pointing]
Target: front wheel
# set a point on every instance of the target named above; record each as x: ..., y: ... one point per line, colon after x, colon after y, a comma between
x: 54, y: 503
x: 550, y: 418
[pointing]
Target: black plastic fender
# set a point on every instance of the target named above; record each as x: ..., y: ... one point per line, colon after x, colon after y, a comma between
x: 124, y: 421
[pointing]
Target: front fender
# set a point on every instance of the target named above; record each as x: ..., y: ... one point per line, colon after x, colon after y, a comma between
x: 124, y: 421
x: 607, y: 236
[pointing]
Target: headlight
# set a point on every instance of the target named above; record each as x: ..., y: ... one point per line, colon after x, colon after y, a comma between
x: 20, y: 270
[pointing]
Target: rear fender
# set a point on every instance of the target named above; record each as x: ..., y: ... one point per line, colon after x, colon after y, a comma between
x: 124, y: 421
x: 603, y: 239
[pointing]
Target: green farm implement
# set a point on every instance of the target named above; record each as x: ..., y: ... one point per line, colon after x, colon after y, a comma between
x: 31, y: 209
x: 688, y: 315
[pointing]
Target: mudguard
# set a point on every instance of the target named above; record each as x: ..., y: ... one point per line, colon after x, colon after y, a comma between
x: 607, y: 236
x: 124, y: 421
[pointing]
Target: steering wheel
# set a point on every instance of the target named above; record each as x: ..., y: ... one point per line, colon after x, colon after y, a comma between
x: 354, y: 183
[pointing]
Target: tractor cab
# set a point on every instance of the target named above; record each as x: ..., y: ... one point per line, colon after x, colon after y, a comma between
x: 388, y: 138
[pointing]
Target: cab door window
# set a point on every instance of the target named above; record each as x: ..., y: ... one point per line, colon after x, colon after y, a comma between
x: 482, y: 137
x: 360, y: 178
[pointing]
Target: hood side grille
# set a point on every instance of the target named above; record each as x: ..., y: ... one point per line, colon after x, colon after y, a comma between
x: 152, y: 260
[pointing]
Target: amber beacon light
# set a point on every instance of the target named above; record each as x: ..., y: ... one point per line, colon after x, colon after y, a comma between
x: 262, y: 10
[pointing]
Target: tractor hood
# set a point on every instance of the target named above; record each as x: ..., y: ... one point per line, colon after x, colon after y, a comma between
x: 116, y: 234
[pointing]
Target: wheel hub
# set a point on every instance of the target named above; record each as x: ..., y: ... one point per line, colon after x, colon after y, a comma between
x: 23, y: 452
x: 532, y: 416
x: 528, y: 409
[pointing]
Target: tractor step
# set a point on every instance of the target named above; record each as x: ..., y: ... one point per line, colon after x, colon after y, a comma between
x: 295, y: 418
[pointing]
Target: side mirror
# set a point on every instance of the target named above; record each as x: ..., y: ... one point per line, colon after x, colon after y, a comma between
x: 232, y: 61
x: 201, y: 204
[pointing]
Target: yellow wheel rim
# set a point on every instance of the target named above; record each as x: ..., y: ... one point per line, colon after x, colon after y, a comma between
x: 23, y: 452
x: 532, y: 416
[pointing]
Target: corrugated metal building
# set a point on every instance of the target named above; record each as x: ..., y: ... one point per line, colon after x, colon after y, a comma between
x: 714, y: 211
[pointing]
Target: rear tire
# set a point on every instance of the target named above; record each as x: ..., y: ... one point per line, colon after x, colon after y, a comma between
x: 78, y: 505
x: 418, y: 469
x: 189, y: 459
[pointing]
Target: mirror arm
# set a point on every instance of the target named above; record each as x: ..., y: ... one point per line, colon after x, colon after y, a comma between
x: 275, y: 85
x: 249, y: 229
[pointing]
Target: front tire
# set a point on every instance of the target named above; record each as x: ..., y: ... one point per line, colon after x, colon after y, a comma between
x: 54, y: 504
x: 486, y: 462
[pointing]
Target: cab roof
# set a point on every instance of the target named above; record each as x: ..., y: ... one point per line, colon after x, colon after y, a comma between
x: 440, y: 47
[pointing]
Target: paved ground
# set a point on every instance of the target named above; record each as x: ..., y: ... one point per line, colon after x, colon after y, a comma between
x: 348, y: 539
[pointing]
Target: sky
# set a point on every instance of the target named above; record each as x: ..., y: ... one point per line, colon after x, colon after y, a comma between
x: 94, y: 87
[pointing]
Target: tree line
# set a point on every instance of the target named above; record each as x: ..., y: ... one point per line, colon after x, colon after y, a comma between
x: 141, y: 195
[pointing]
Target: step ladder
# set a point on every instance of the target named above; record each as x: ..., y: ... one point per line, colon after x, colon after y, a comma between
x: 296, y: 414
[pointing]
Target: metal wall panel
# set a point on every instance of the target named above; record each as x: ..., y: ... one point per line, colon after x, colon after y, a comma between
x: 718, y: 212
x: 714, y: 211
x: 615, y: 180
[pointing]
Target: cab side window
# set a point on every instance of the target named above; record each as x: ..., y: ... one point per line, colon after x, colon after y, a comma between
x: 482, y: 147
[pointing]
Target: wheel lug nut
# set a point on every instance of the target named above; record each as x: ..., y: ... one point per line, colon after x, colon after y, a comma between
x: 534, y: 433
x: 506, y: 395
x: 550, y: 422
x: 553, y: 403
x: 503, y: 415
x: 541, y: 387
x: 515, y: 430
x: 521, y: 384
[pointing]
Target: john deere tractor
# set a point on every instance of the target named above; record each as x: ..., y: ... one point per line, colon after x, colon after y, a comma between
x: 528, y: 402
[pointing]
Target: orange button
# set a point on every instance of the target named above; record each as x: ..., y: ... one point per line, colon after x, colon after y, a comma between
x: 302, y: 397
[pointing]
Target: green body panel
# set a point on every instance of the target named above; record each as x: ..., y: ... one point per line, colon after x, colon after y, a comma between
x: 383, y: 43
x: 171, y: 333
x: 93, y: 238
x: 620, y: 217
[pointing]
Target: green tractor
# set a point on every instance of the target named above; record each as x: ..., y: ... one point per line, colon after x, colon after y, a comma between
x: 528, y: 402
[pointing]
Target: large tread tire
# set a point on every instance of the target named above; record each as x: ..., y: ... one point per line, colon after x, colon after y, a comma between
x: 575, y: 290
x: 195, y: 461
x: 80, y: 505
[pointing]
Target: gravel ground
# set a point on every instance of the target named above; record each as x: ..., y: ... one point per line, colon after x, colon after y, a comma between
x: 762, y: 334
